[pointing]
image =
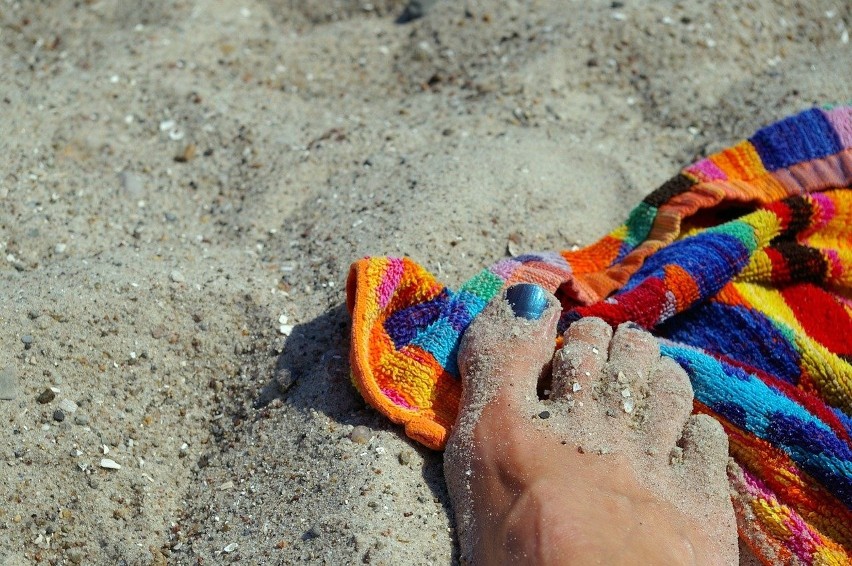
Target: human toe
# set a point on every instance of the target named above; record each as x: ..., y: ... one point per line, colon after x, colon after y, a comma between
x: 503, y: 354
x: 577, y: 366
x: 668, y: 406
x: 705, y: 448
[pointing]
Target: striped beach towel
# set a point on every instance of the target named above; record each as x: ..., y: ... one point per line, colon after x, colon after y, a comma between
x: 741, y: 265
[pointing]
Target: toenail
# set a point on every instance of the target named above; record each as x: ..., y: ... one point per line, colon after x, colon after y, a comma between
x: 633, y: 325
x: 527, y: 300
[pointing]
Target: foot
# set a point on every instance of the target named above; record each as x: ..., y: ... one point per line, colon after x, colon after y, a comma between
x: 610, y: 469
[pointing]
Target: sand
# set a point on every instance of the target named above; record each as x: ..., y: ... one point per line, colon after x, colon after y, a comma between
x: 185, y: 183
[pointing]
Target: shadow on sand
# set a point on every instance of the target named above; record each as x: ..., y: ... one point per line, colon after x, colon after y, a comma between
x: 312, y: 372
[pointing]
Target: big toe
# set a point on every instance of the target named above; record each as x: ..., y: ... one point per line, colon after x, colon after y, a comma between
x: 501, y: 357
x: 506, y: 349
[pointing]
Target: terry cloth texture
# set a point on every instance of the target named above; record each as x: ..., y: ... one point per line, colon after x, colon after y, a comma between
x: 742, y: 266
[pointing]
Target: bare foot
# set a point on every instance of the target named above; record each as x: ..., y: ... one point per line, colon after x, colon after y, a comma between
x: 612, y: 469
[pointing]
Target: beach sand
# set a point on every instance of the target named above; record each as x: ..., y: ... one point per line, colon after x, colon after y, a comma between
x: 184, y: 185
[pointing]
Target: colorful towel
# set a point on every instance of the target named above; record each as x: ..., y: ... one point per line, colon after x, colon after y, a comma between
x: 741, y: 264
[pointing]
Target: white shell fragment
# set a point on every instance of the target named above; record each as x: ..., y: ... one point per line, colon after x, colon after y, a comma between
x: 512, y: 249
x: 110, y: 464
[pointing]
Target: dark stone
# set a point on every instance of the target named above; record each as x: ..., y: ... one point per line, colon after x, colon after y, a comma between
x: 46, y: 396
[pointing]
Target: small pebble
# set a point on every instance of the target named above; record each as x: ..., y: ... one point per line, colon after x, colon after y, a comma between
x: 132, y: 183
x: 59, y: 248
x: 360, y: 435
x: 544, y: 415
x: 27, y: 340
x: 177, y: 276
x: 81, y: 419
x: 512, y: 248
x: 110, y: 464
x: 74, y: 555
x: 313, y: 532
x: 405, y: 457
x: 231, y: 547
x: 68, y: 406
x: 188, y: 153
x: 59, y: 415
x: 46, y: 396
x: 414, y: 10
x: 8, y: 384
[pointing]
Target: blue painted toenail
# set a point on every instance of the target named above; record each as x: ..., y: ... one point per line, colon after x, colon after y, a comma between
x: 527, y: 300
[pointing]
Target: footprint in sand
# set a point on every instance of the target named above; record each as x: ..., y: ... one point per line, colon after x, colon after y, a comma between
x: 609, y: 469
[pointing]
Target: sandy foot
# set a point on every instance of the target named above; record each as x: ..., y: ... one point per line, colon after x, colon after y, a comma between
x: 611, y: 469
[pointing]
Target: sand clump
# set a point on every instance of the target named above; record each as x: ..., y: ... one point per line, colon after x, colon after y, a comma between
x: 178, y: 175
